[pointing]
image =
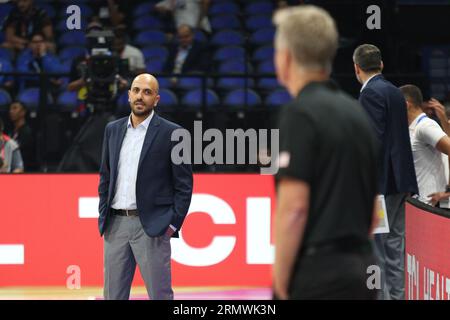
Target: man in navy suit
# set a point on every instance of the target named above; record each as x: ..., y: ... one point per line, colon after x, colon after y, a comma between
x: 187, y: 55
x: 386, y: 108
x: 144, y: 196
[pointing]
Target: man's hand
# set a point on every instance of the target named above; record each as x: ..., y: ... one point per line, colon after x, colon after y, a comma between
x: 439, y: 109
x: 438, y: 196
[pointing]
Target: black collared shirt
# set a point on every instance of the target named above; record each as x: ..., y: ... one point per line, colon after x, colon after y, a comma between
x: 326, y: 140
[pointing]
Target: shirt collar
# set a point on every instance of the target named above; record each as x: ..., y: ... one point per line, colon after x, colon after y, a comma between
x: 144, y: 123
x: 185, y: 49
x: 414, y: 123
x: 367, y: 81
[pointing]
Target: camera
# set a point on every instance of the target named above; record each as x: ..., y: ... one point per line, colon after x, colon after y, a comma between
x: 104, y: 69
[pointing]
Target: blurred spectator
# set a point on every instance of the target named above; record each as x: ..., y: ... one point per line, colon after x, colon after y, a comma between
x: 187, y: 55
x: 37, y: 59
x: 9, y: 153
x: 78, y: 71
x: 23, y: 135
x: 23, y: 22
x: 116, y: 11
x: 111, y: 13
x: 193, y: 13
x: 6, y: 82
x: 134, y: 55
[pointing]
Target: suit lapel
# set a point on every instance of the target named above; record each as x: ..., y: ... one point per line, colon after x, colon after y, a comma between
x: 122, y: 130
x: 152, y: 131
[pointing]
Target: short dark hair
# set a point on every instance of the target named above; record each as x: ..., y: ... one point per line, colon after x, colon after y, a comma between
x: 2, y: 127
x: 368, y: 58
x: 413, y: 94
x: 120, y: 31
x: 21, y: 104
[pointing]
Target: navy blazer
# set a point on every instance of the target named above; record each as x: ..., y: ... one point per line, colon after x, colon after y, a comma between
x: 386, y: 107
x: 163, y: 189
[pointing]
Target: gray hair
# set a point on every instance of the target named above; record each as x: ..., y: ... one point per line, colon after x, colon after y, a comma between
x: 310, y: 33
x: 368, y: 58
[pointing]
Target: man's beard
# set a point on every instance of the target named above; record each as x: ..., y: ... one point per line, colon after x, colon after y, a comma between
x: 140, y: 113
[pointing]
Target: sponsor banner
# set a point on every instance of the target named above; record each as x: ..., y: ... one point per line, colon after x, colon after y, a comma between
x: 427, y: 259
x: 49, y: 235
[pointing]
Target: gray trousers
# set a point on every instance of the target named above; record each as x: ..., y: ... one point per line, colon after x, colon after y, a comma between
x: 390, y: 250
x: 126, y: 243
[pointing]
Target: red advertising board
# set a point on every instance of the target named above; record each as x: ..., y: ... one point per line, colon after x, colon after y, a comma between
x: 427, y: 265
x: 48, y: 228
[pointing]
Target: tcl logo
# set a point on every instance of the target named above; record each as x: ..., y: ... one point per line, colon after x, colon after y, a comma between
x: 259, y: 250
x: 225, y: 240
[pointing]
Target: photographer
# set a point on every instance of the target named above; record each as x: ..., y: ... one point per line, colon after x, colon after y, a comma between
x: 133, y: 55
x: 98, y: 76
x: 79, y: 72
x: 79, y: 66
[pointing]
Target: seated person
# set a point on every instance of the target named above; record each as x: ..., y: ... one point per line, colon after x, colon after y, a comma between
x: 79, y: 74
x: 124, y: 50
x: 187, y: 55
x: 193, y: 13
x: 6, y: 82
x: 112, y: 13
x: 37, y: 59
x: 9, y: 153
x: 23, y: 22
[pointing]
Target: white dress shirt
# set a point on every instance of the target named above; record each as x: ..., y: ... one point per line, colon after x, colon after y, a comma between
x: 125, y: 196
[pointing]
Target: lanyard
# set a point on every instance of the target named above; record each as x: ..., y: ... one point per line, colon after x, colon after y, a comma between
x: 421, y: 118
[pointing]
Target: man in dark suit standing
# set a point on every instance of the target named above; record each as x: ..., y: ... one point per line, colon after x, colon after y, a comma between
x: 386, y: 108
x: 144, y: 196
x: 187, y: 55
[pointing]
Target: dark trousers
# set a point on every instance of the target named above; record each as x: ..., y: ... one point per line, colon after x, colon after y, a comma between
x: 333, y: 276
